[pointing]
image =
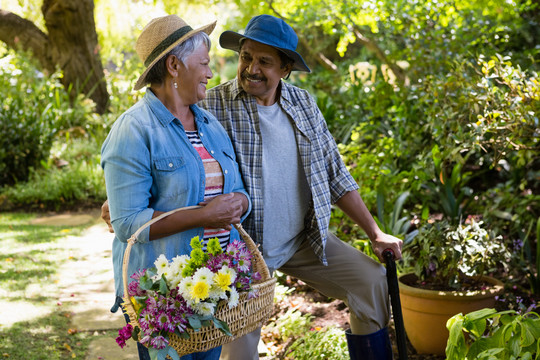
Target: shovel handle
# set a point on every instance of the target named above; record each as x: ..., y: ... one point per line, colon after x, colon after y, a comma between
x: 393, y: 289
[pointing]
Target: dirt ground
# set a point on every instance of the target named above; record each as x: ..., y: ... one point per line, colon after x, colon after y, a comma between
x: 327, y: 312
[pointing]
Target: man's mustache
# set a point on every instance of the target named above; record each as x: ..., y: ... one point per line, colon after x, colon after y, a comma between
x: 247, y: 76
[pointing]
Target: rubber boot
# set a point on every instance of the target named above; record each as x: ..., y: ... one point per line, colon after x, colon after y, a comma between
x: 375, y: 346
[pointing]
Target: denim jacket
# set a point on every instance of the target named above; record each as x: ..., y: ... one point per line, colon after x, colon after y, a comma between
x: 149, y: 164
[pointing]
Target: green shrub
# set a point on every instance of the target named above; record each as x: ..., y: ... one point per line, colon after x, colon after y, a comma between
x: 290, y: 325
x: 328, y: 343
x: 79, y: 183
x: 487, y: 334
x: 34, y: 109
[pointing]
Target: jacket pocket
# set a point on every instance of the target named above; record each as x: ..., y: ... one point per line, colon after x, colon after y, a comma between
x: 168, y: 164
x: 171, y: 177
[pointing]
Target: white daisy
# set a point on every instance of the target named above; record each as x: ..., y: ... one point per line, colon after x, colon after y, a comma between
x: 162, y: 265
x: 185, y: 286
x: 179, y: 262
x: 205, y: 275
x: 233, y: 298
x: 204, y: 308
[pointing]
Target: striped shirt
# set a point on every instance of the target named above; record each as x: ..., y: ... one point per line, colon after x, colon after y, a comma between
x: 213, y: 186
x: 326, y: 173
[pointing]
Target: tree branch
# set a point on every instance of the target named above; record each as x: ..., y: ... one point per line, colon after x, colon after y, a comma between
x: 377, y: 51
x: 374, y: 48
x: 19, y: 33
x: 320, y: 57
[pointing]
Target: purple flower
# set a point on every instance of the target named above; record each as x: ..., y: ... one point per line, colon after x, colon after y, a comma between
x: 256, y: 276
x: 145, y: 339
x: 145, y: 320
x: 138, y: 274
x: 121, y: 341
x: 243, y: 264
x: 159, y: 342
x: 233, y: 248
x: 253, y: 294
x: 164, y: 322
x: 215, y: 263
x: 124, y: 334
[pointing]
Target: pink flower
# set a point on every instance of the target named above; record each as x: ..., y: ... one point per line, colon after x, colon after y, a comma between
x: 256, y: 276
x: 159, y: 342
x: 164, y: 322
x: 124, y: 334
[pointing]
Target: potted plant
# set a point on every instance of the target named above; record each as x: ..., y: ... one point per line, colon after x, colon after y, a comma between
x: 450, y: 266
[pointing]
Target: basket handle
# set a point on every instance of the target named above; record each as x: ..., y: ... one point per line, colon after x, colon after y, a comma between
x: 259, y: 264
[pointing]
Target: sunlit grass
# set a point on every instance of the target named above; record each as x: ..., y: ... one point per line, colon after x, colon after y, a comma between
x: 32, y: 325
x: 48, y: 338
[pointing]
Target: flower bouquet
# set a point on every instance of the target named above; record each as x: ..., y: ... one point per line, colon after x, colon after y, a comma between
x: 197, y: 302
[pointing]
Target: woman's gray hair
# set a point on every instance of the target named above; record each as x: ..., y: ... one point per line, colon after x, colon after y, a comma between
x: 182, y: 51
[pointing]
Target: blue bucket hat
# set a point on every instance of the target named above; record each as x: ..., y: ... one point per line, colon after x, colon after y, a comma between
x: 271, y: 31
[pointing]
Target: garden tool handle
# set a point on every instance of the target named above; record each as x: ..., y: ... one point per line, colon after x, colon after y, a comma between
x: 393, y: 289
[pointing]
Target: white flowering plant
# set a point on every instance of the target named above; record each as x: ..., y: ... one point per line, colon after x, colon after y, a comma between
x: 447, y: 257
x: 184, y: 292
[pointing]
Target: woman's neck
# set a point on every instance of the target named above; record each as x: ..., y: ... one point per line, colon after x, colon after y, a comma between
x: 172, y: 100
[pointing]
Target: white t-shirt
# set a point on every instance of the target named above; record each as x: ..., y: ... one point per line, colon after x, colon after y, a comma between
x: 286, y: 193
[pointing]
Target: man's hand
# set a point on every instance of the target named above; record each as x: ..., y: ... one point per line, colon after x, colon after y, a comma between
x: 384, y: 241
x: 106, y: 215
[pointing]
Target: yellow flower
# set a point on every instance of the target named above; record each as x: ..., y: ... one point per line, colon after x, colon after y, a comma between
x: 223, y: 280
x: 136, y: 304
x: 200, y: 291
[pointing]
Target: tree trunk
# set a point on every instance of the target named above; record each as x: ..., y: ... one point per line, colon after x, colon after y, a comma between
x: 71, y: 45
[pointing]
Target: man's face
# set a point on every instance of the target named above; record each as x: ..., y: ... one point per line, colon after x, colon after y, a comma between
x: 260, y: 71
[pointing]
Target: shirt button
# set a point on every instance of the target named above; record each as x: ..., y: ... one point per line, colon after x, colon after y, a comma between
x: 226, y: 171
x: 201, y: 134
x: 212, y: 151
x: 170, y: 165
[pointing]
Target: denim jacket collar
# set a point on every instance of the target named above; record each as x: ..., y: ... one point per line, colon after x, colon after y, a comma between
x: 163, y: 114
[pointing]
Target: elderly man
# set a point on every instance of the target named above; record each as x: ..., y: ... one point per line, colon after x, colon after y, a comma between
x: 293, y: 172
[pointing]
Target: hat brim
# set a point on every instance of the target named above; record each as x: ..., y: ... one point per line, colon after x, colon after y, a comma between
x: 206, y: 28
x: 231, y: 40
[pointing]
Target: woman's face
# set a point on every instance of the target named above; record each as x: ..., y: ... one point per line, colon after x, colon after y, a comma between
x: 194, y: 76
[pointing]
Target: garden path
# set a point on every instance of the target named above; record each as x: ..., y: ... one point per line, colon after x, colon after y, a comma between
x: 86, y: 285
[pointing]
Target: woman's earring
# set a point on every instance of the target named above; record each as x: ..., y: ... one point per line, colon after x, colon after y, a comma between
x: 175, y: 85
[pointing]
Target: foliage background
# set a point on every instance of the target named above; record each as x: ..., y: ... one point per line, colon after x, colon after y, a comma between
x: 451, y: 133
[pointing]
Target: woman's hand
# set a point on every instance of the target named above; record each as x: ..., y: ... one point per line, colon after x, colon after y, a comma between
x: 224, y: 210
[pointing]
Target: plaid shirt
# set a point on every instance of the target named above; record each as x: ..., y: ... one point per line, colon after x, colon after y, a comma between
x: 326, y: 173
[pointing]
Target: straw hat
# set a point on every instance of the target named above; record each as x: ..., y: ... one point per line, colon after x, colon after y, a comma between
x: 159, y: 37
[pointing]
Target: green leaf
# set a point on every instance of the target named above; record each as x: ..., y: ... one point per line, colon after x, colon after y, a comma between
x: 527, y: 336
x: 398, y: 206
x: 514, y: 345
x: 455, y: 347
x: 194, y: 322
x: 156, y: 354
x: 135, y: 333
x: 172, y: 353
x: 483, y: 347
x: 163, y: 288
x: 146, y: 282
x: 481, y: 314
x: 223, y: 326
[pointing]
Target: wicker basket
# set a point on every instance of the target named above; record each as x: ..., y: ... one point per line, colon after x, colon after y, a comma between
x: 249, y: 315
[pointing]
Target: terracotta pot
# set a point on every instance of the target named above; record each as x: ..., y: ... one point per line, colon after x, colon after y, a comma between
x: 425, y: 312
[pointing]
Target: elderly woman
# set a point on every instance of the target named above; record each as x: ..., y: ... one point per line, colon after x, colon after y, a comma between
x: 165, y: 153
